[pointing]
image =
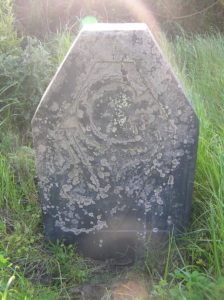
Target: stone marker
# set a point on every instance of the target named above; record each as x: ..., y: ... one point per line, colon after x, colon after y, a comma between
x: 116, y: 142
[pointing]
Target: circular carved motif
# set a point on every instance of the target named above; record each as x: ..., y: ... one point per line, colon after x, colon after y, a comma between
x: 116, y: 114
x: 112, y: 114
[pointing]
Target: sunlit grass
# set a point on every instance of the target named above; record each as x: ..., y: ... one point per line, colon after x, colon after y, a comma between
x: 197, y: 266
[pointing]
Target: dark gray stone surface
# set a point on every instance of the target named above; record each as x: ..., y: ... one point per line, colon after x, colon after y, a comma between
x: 116, y: 142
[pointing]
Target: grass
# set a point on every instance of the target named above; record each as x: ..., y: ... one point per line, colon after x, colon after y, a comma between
x: 197, y: 263
x: 30, y: 268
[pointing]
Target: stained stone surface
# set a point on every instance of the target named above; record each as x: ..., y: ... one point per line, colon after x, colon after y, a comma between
x: 116, y: 142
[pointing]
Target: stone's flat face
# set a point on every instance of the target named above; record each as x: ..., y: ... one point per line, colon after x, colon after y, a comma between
x: 116, y: 143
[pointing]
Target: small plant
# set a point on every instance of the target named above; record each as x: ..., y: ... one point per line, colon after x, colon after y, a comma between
x: 190, y: 285
x: 8, y: 36
x: 64, y: 256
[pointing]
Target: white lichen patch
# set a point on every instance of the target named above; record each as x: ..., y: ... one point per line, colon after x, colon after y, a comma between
x: 170, y: 180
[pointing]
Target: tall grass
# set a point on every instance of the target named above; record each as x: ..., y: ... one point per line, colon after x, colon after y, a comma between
x: 8, y: 36
x: 26, y: 67
x: 29, y: 268
x: 199, y: 63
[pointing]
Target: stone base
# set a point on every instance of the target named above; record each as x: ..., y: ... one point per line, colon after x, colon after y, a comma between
x: 124, y: 247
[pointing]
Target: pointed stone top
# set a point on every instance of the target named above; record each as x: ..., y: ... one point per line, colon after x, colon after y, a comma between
x: 115, y: 27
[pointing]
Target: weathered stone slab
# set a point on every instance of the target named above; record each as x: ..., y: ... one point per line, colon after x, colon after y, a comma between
x: 116, y: 143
